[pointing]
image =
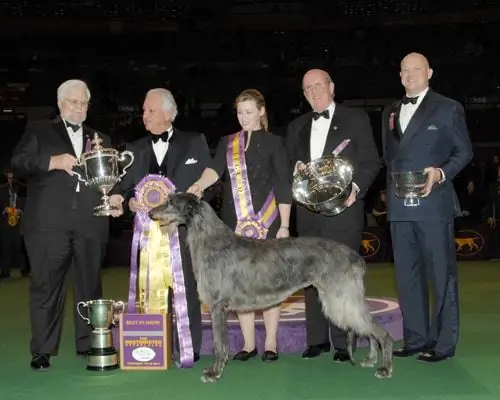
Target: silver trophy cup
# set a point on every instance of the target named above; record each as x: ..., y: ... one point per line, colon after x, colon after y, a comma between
x: 324, y: 185
x: 101, y: 171
x: 409, y: 186
x: 101, y: 316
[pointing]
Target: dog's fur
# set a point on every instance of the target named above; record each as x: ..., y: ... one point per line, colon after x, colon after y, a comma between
x: 242, y: 274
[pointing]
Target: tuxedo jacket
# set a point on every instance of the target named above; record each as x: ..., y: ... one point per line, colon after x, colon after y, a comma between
x: 347, y: 123
x: 436, y: 136
x: 186, y: 158
x: 52, y: 201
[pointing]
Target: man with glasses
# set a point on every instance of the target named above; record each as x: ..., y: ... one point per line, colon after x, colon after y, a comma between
x: 331, y: 129
x: 59, y: 227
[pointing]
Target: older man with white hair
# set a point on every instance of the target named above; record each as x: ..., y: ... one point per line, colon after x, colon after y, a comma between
x: 59, y: 227
x: 181, y: 157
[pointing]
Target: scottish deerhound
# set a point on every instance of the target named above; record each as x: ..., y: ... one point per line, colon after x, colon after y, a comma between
x: 242, y: 274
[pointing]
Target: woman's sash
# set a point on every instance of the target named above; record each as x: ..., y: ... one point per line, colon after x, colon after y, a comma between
x: 248, y: 223
x: 160, y: 264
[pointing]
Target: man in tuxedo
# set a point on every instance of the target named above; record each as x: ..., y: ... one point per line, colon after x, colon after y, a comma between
x: 181, y: 157
x: 59, y: 227
x: 329, y: 127
x: 425, y: 131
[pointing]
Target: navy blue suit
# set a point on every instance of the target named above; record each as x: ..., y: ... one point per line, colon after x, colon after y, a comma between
x: 423, y: 236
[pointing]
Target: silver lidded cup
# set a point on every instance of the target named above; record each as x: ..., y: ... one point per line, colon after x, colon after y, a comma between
x: 409, y: 186
x: 101, y: 170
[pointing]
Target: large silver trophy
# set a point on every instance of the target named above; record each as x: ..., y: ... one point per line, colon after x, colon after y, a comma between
x: 102, y: 315
x: 324, y: 185
x: 101, y: 171
x: 409, y: 186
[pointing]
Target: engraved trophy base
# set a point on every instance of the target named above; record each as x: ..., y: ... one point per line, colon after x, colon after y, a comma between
x: 105, y: 209
x: 412, y: 201
x: 103, y: 355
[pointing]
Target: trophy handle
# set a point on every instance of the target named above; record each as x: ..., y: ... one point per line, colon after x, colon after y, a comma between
x: 124, y: 154
x: 77, y: 174
x: 116, y: 305
x: 82, y: 304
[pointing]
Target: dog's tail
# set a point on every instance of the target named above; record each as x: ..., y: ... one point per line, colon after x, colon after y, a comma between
x: 351, y: 337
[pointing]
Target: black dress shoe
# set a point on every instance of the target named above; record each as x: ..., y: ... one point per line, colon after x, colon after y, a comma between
x: 341, y: 356
x: 84, y: 353
x: 40, y: 362
x: 316, y: 350
x: 196, y: 357
x: 432, y: 357
x: 245, y: 355
x: 405, y: 352
x: 269, y: 356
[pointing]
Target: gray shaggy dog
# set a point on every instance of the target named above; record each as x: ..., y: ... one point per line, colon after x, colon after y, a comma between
x: 242, y: 274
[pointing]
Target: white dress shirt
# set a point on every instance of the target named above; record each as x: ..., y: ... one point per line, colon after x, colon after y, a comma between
x: 319, y: 133
x: 407, y: 110
x: 160, y: 148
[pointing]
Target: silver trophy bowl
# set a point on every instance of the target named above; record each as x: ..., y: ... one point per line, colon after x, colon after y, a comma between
x: 409, y: 186
x: 324, y: 185
x: 101, y: 316
x: 101, y: 170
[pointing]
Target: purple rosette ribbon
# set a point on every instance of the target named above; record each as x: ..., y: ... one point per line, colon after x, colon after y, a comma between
x: 150, y: 192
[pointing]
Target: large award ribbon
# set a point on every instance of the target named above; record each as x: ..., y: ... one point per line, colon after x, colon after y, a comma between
x: 160, y: 264
x: 249, y: 224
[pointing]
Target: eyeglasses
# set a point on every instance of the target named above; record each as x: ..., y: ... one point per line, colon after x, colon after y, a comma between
x: 315, y: 87
x: 77, y: 103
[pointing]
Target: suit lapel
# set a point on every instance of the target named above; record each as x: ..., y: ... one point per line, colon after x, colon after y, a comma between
x: 176, y: 151
x: 333, y: 133
x: 423, y: 112
x: 60, y: 128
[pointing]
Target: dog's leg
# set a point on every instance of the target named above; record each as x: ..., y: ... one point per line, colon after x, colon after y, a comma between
x: 371, y: 360
x: 350, y: 338
x: 386, y: 344
x: 221, y: 346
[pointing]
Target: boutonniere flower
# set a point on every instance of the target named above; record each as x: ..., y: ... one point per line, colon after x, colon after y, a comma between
x: 391, y: 121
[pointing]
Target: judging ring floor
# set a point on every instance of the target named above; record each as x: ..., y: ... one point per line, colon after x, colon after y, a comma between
x: 292, y: 327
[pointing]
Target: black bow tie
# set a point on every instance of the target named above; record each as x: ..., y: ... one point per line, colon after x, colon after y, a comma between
x: 325, y: 114
x: 412, y: 100
x: 163, y: 137
x: 74, y: 127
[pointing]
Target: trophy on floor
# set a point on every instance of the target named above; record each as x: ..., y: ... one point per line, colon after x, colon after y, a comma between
x: 102, y: 315
x: 409, y: 186
x: 101, y: 171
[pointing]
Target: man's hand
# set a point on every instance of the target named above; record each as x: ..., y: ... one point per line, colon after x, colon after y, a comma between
x: 492, y: 222
x: 116, y: 200
x: 282, y: 233
x: 63, y: 162
x: 132, y: 204
x: 195, y: 189
x: 433, y: 176
x: 299, y: 166
x: 352, y: 197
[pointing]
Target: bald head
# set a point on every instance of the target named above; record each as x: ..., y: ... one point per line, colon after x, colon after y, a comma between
x: 318, y: 89
x: 415, y: 73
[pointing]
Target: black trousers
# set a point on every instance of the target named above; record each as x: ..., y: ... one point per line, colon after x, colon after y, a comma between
x: 52, y: 255
x: 319, y: 330
x: 422, y: 250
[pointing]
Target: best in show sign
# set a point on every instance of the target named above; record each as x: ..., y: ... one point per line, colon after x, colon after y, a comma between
x: 145, y: 341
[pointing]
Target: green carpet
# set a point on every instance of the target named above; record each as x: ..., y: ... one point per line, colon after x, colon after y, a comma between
x: 472, y: 375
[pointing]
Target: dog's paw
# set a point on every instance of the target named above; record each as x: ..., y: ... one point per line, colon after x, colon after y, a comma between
x: 210, y: 375
x: 368, y: 363
x: 383, y: 373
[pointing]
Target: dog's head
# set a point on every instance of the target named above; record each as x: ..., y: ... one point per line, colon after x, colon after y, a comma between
x: 177, y: 210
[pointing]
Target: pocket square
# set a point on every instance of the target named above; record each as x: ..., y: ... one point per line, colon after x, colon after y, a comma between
x: 191, y: 161
x: 432, y: 128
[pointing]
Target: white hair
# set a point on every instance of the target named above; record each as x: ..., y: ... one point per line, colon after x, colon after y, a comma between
x: 66, y: 87
x: 168, y: 101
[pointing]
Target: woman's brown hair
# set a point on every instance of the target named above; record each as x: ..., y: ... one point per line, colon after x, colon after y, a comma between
x: 255, y: 95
